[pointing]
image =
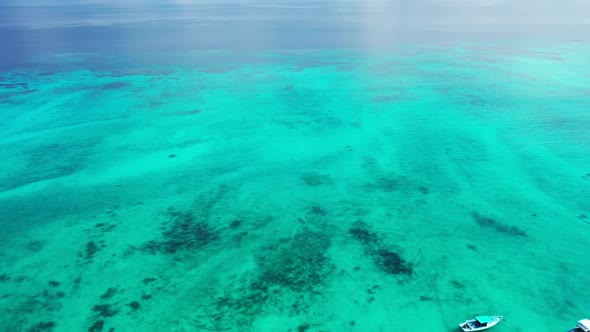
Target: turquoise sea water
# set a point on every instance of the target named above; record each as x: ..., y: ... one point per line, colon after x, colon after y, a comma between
x: 296, y: 189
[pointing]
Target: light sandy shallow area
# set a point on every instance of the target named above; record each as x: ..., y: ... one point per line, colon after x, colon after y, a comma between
x: 297, y: 191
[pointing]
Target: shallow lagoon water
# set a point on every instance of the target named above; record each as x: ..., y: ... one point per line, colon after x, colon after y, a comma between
x: 295, y: 189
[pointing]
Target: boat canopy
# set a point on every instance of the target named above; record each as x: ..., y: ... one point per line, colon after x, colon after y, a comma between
x: 484, y: 319
x: 584, y: 324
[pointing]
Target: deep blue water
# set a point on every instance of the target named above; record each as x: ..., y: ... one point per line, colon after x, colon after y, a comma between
x: 31, y: 29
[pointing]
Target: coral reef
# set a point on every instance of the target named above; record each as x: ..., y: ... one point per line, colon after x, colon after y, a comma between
x: 391, y: 262
x: 299, y: 265
x: 291, y: 275
x: 149, y: 280
x: 487, y: 222
x: 235, y: 224
x: 316, y: 210
x: 50, y: 161
x: 115, y: 86
x: 385, y: 184
x: 109, y: 293
x: 314, y: 179
x: 97, y: 326
x: 134, y: 305
x: 360, y: 233
x: 424, y: 190
x: 457, y: 284
x: 105, y: 310
x: 42, y: 326
x: 91, y: 249
x: 35, y: 246
x: 384, y: 258
x: 185, y: 231
x: 303, y: 327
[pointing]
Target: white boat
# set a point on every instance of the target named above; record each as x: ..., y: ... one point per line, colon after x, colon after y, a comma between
x: 480, y: 323
x: 583, y: 326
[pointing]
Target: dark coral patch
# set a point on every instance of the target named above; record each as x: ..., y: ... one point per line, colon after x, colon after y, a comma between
x: 247, y: 305
x: 314, y: 179
x: 97, y: 326
x: 363, y: 235
x: 50, y: 161
x: 424, y: 190
x: 109, y: 227
x: 292, y: 266
x: 392, y: 263
x: 190, y: 230
x: 42, y: 326
x: 190, y: 112
x: 149, y: 280
x: 457, y: 284
x: 512, y: 230
x: 105, y: 310
x: 35, y: 245
x: 109, y: 293
x: 235, y: 224
x: 316, y: 210
x: 384, y: 184
x: 300, y: 265
x: 183, y: 232
x: 14, y: 85
x: 385, y: 259
x: 303, y: 327
x: 134, y: 305
x: 483, y: 221
x: 115, y: 86
x: 91, y: 249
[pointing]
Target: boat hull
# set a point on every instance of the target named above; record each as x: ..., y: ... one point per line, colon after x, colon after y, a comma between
x: 471, y: 325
